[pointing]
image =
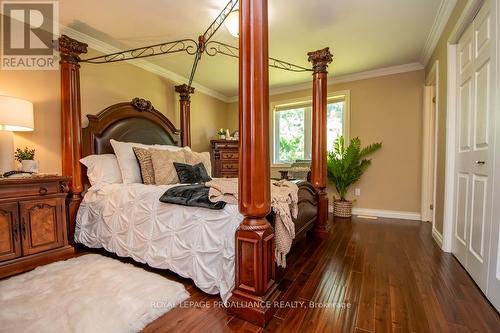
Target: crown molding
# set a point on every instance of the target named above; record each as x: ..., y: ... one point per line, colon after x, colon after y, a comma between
x: 379, y: 72
x: 443, y: 15
x: 106, y: 48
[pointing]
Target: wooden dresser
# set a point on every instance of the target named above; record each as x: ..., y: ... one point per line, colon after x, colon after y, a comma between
x: 33, y: 228
x: 225, y: 158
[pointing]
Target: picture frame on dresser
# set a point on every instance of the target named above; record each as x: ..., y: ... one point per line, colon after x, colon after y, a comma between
x: 33, y: 222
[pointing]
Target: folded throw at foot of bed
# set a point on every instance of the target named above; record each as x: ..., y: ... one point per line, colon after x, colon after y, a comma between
x: 284, y: 203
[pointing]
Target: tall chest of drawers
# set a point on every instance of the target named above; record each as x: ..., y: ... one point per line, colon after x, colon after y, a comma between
x: 225, y: 158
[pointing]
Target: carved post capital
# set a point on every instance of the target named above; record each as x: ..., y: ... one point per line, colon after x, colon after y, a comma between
x: 142, y: 104
x: 184, y: 91
x: 320, y: 59
x: 70, y: 49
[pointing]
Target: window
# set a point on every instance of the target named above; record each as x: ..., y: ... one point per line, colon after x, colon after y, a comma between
x: 292, y: 127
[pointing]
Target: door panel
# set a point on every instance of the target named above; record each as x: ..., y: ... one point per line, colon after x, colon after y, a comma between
x: 478, y: 216
x: 481, y: 108
x: 483, y: 33
x: 41, y: 225
x: 462, y: 214
x: 10, y: 245
x: 465, y: 116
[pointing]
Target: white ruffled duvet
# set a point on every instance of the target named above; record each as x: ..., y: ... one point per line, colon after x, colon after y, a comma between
x: 129, y: 220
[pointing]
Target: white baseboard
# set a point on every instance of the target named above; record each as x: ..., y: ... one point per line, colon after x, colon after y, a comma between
x: 438, y: 238
x: 392, y: 214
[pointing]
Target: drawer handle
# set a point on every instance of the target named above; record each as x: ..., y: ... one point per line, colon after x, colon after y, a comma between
x: 16, y: 230
x: 23, y: 228
x: 42, y: 190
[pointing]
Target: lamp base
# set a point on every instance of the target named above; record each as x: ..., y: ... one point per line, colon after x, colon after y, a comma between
x: 6, y: 151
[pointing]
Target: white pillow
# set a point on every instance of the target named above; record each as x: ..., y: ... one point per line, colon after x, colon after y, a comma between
x: 102, y: 169
x: 129, y: 166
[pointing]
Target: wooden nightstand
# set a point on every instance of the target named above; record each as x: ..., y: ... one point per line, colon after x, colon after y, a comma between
x: 33, y: 227
x: 225, y: 158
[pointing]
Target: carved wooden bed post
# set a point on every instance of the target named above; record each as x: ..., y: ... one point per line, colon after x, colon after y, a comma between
x: 71, y: 127
x: 320, y: 60
x: 185, y: 109
x: 255, y: 269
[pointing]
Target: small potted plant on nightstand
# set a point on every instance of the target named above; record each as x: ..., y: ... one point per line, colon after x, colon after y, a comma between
x: 345, y: 166
x: 222, y: 133
x: 26, y: 157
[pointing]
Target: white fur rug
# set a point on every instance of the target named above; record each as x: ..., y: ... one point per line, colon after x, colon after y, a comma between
x: 91, y: 293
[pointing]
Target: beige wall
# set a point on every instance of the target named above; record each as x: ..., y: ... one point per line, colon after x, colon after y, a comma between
x: 387, y: 109
x: 440, y: 54
x: 101, y: 86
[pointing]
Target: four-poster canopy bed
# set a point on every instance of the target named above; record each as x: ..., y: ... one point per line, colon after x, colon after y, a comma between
x: 255, y: 277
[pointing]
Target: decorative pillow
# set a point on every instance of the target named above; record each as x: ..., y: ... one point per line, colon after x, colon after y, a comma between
x: 145, y: 165
x: 193, y: 158
x: 127, y: 161
x: 163, y: 165
x: 102, y: 169
x: 190, y: 174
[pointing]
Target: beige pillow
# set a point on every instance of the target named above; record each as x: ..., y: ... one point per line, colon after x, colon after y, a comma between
x: 193, y: 158
x: 146, y: 165
x: 163, y: 165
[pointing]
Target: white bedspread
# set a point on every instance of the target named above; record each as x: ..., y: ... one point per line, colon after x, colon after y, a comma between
x: 129, y: 220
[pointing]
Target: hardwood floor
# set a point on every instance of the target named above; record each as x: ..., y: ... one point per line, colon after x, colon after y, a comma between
x: 375, y: 276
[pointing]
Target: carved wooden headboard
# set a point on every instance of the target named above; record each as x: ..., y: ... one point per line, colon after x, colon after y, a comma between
x: 135, y: 121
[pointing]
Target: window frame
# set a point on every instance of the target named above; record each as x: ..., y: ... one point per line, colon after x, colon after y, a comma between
x: 336, y: 95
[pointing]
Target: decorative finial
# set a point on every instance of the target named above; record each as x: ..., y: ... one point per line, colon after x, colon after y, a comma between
x: 184, y: 91
x: 70, y: 49
x: 320, y: 59
x: 142, y: 105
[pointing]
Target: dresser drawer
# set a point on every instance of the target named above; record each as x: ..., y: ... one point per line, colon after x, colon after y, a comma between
x: 229, y: 166
x: 229, y: 155
x: 226, y: 145
x: 227, y: 174
x: 26, y: 190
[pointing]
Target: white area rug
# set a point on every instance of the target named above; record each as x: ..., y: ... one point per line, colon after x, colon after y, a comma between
x: 91, y: 293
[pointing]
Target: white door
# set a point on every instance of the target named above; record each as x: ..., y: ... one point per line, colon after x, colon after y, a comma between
x: 493, y: 291
x: 475, y: 141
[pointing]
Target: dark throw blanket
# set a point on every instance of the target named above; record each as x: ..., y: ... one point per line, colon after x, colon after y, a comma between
x: 195, y: 195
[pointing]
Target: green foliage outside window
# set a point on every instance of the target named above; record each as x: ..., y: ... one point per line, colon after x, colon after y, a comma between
x: 291, y: 135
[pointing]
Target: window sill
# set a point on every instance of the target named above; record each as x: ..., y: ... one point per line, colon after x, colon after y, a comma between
x: 282, y: 166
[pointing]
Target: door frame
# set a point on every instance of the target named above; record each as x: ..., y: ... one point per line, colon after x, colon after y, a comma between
x: 471, y: 9
x: 429, y: 160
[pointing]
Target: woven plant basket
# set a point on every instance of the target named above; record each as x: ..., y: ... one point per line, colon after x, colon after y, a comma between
x: 342, y: 208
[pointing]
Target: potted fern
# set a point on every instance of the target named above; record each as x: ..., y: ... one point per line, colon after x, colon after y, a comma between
x: 345, y: 166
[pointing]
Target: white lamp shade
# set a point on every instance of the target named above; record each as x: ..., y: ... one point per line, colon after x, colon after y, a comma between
x: 232, y: 23
x: 16, y: 114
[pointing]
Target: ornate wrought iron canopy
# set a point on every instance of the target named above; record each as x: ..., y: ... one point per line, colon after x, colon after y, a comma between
x: 193, y: 48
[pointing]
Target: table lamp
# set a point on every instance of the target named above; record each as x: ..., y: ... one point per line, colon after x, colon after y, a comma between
x: 16, y: 115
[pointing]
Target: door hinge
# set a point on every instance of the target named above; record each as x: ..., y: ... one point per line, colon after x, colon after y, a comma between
x: 431, y: 206
x: 434, y: 100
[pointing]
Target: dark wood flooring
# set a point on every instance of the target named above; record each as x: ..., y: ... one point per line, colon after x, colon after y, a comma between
x: 375, y: 276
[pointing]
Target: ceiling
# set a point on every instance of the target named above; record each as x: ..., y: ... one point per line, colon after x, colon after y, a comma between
x: 362, y: 34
